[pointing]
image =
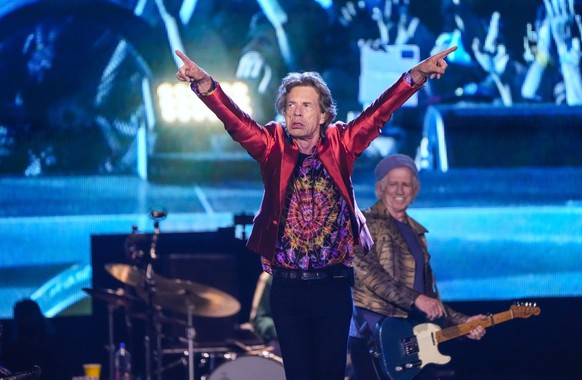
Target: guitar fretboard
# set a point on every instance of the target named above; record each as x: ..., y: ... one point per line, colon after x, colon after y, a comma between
x: 464, y: 328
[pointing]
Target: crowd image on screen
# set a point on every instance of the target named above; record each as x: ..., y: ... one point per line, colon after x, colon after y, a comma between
x: 70, y: 80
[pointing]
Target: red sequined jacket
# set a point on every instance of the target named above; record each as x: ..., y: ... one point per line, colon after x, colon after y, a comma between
x: 276, y: 153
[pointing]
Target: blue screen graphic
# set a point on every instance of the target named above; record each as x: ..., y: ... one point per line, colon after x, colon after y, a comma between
x: 95, y: 130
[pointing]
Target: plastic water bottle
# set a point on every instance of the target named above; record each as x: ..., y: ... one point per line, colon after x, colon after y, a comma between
x: 122, y: 363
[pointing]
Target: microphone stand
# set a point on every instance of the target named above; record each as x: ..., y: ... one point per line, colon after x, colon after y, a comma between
x: 111, y: 345
x: 150, y: 287
x: 191, y: 334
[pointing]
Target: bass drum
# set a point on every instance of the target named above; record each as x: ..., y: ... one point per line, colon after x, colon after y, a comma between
x: 250, y: 368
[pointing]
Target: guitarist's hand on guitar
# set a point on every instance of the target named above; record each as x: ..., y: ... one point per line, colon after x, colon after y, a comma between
x: 478, y: 332
x: 433, y: 308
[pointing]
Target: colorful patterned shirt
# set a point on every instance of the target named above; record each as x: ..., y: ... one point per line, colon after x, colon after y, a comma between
x: 315, y: 228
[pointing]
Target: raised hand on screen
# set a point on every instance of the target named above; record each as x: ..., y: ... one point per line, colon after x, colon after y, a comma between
x: 566, y: 28
x: 537, y: 40
x: 491, y: 54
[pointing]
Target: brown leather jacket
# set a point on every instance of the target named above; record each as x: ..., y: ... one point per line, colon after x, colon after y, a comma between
x: 384, y: 277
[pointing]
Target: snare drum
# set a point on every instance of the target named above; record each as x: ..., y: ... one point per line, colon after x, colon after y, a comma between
x: 250, y: 368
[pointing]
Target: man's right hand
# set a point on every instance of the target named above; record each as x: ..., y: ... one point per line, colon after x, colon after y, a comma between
x: 432, y: 67
x: 192, y: 73
x: 433, y: 308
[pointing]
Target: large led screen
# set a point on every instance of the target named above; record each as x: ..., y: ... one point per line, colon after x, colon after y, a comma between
x: 96, y: 132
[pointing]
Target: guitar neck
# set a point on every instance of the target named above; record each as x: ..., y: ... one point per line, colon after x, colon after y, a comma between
x: 464, y: 328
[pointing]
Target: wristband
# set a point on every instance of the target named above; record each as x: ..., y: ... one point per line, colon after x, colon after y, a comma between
x: 194, y: 87
x: 408, y: 79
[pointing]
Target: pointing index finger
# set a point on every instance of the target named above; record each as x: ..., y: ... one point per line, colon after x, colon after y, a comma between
x: 183, y: 57
x: 442, y: 54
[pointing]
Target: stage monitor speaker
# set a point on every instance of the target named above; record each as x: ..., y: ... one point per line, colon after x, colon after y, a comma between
x: 489, y: 136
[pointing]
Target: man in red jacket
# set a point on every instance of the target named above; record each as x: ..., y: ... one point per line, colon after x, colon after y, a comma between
x: 309, y: 224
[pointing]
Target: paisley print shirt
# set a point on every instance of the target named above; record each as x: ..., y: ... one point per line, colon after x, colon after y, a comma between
x: 315, y: 229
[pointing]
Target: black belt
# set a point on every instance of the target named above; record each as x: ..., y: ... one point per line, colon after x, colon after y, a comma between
x: 331, y: 273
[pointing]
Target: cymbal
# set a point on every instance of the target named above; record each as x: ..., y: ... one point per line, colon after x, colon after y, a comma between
x: 117, y: 297
x: 183, y: 296
x: 131, y: 275
x: 160, y: 318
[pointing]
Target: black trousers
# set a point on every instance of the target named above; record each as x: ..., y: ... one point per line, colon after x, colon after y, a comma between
x: 312, y: 319
x: 363, y: 366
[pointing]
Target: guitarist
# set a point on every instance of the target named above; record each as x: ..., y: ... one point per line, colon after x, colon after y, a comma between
x: 395, y: 279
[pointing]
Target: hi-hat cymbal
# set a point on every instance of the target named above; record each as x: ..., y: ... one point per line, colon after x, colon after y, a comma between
x: 185, y: 296
x: 117, y: 297
x: 131, y: 275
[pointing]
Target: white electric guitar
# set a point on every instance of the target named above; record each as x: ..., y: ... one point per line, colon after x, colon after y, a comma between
x: 406, y: 349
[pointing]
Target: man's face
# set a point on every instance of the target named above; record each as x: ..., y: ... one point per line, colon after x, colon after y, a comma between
x: 303, y: 115
x: 398, y: 190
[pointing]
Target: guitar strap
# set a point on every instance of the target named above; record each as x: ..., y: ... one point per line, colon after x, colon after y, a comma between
x: 370, y: 338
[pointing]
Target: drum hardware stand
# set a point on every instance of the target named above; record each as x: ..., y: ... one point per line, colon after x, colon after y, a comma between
x: 110, y: 348
x: 111, y: 344
x: 150, y: 288
x: 181, y: 361
x: 158, y: 350
x: 191, y: 333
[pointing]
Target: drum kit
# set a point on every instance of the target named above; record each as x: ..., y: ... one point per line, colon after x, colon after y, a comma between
x: 150, y: 294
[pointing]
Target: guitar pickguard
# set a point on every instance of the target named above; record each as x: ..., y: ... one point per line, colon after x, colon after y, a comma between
x: 427, y: 344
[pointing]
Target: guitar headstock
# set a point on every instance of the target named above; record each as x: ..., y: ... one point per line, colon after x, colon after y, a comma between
x: 525, y: 310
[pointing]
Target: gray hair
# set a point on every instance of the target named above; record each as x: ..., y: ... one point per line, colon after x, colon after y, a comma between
x: 311, y: 79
